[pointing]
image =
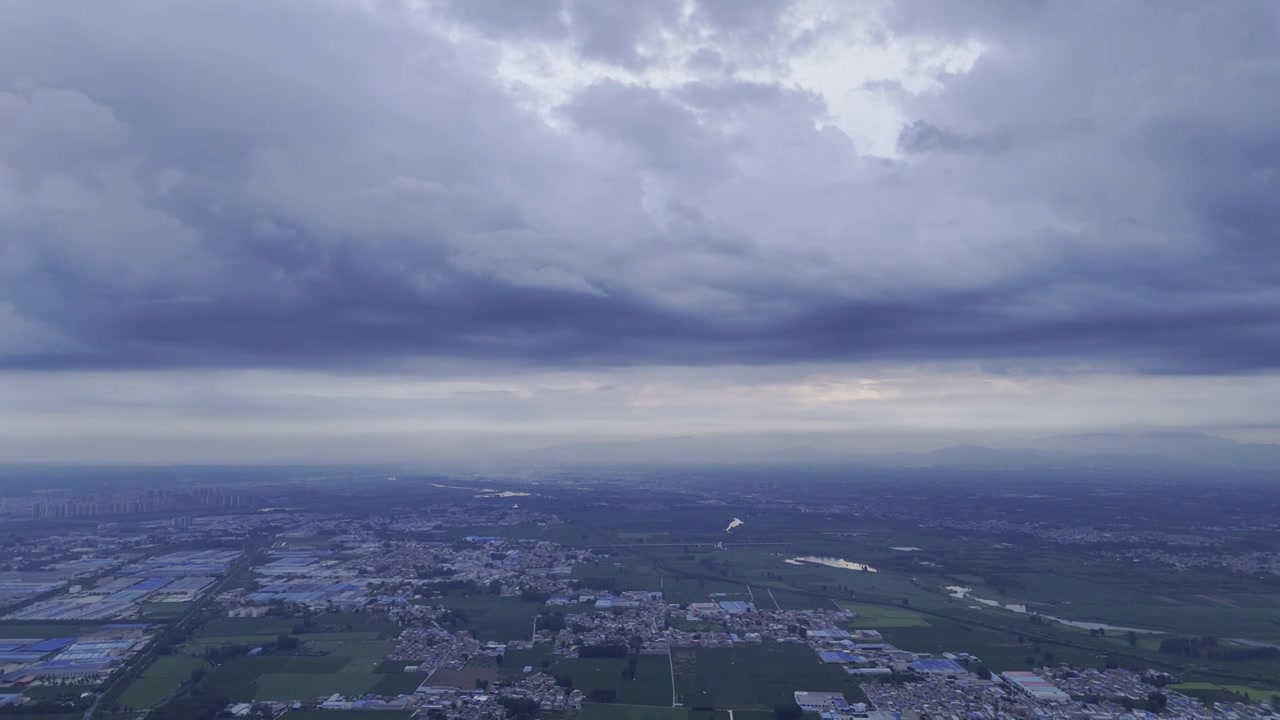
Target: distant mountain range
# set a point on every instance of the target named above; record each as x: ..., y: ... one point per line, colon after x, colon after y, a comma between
x: 1141, y: 450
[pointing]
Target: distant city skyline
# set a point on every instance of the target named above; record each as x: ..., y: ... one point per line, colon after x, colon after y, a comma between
x: 311, y: 230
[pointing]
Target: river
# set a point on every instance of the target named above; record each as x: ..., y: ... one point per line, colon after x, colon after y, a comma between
x: 963, y: 593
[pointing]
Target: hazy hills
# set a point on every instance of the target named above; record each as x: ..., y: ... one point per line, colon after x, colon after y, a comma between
x: 1147, y: 450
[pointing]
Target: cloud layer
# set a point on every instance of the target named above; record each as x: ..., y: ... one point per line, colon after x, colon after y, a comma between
x: 345, y: 184
x: 589, y: 216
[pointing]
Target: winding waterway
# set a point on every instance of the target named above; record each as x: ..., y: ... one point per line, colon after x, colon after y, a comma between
x: 962, y: 593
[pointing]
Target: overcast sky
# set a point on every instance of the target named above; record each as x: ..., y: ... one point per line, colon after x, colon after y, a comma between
x: 258, y: 230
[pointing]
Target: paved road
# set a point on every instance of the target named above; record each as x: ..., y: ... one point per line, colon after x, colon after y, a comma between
x: 672, y: 665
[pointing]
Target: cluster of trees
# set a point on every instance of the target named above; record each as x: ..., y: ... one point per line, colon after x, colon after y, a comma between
x: 520, y: 708
x: 551, y: 621
x: 533, y: 596
x: 630, y: 672
x: 453, y: 616
x: 1132, y: 637
x: 426, y: 573
x: 1192, y: 646
x: 1243, y: 653
x: 1207, y: 646
x: 599, y: 583
x: 49, y: 706
x: 800, y: 630
x: 1002, y: 583
x: 1049, y: 659
x: 218, y: 654
x: 466, y: 587
x: 788, y: 711
x: 1155, y: 702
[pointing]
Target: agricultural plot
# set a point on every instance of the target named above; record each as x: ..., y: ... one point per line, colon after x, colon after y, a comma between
x: 496, y: 617
x: 614, y: 711
x: 998, y: 650
x: 353, y: 622
x: 164, y: 611
x: 350, y: 668
x: 643, y: 537
x: 331, y: 624
x: 514, y: 661
x: 246, y: 626
x: 465, y: 677
x: 346, y: 715
x: 628, y: 570
x: 389, y: 667
x: 875, y: 617
x: 1212, y: 690
x: 772, y: 598
x: 651, y: 685
x: 755, y: 676
x: 310, y: 686
x: 159, y: 680
x: 398, y: 683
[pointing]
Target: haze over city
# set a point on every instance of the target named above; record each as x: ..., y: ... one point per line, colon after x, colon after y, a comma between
x: 324, y: 231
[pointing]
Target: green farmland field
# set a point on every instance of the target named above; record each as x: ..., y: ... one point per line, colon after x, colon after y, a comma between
x: 651, y: 685
x: 755, y: 676
x: 345, y: 715
x: 159, y: 680
x: 614, y: 711
x: 497, y: 617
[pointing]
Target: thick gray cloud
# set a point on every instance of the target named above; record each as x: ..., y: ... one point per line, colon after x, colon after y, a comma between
x: 343, y: 185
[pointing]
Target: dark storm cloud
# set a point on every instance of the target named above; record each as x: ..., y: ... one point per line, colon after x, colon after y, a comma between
x: 612, y: 30
x: 322, y: 184
x: 924, y: 137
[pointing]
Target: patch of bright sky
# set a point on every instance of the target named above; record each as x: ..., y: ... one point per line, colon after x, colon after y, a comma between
x: 839, y: 51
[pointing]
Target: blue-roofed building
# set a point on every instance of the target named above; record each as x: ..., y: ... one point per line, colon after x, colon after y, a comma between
x: 51, y: 645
